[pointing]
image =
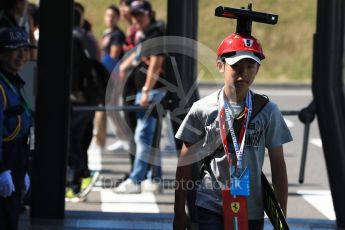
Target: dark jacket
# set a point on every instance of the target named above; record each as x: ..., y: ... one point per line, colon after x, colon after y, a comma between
x: 79, y: 64
x: 15, y: 124
x: 149, y: 48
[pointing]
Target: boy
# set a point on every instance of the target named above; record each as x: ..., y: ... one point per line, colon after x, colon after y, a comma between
x: 232, y: 126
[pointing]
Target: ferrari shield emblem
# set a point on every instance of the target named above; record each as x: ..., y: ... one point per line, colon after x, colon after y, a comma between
x: 235, y: 207
x: 235, y: 211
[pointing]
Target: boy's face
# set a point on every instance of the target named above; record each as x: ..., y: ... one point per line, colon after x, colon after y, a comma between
x: 111, y: 18
x: 125, y: 11
x: 141, y: 20
x: 13, y: 60
x: 240, y: 75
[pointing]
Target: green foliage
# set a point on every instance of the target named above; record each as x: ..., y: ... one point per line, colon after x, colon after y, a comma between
x: 94, y: 11
x: 287, y: 45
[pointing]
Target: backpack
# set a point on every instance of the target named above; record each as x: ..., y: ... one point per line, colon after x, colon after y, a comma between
x: 93, y: 75
x: 95, y: 82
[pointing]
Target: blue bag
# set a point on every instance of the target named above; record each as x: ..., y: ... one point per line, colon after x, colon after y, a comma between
x: 109, y: 62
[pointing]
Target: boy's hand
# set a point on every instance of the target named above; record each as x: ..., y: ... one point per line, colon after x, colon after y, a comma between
x: 183, y: 174
x: 180, y: 220
x: 144, y: 102
x: 6, y: 184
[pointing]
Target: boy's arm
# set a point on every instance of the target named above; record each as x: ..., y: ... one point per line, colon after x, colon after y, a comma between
x: 115, y: 51
x: 279, y: 176
x: 183, y: 174
x: 152, y: 75
x: 127, y: 62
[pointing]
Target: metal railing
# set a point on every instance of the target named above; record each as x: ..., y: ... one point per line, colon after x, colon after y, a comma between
x: 305, y: 115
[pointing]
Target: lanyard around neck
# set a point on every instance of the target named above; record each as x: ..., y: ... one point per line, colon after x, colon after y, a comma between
x: 25, y: 105
x: 225, y: 113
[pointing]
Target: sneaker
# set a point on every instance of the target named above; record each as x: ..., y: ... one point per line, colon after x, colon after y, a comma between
x: 119, y: 181
x: 88, y: 183
x: 71, y: 196
x: 128, y: 187
x: 151, y: 186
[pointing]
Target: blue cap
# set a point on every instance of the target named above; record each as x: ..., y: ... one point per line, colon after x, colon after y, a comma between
x: 13, y: 38
x: 141, y: 7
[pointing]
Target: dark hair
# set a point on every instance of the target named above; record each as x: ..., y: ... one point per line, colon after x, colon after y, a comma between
x: 76, y: 17
x: 87, y: 25
x: 79, y: 6
x: 126, y: 2
x: 144, y: 5
x: 153, y: 16
x: 115, y: 9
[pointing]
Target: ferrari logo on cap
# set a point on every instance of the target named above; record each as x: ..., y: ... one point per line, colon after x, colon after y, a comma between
x: 235, y: 207
x: 248, y: 42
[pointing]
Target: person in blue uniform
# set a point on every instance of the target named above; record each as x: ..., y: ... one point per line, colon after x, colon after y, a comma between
x: 14, y: 125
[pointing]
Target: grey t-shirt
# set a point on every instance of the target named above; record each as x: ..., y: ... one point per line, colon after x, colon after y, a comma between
x: 201, y: 128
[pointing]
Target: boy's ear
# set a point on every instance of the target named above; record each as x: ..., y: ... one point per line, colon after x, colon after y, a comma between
x: 220, y: 66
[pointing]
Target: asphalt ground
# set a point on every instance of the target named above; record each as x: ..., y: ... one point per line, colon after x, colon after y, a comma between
x: 309, y: 205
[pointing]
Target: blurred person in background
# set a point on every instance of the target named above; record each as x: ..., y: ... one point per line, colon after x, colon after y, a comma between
x: 11, y: 12
x: 16, y: 13
x: 90, y: 38
x: 147, y: 172
x: 80, y: 178
x: 113, y: 38
x: 112, y: 43
x: 129, y: 89
x: 33, y: 12
x: 32, y: 16
x: 94, y: 50
x: 131, y: 39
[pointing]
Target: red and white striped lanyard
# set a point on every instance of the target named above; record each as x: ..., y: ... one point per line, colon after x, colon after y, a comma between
x: 225, y: 113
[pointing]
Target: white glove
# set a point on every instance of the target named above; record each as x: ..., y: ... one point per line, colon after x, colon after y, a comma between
x: 6, y: 184
x: 26, y: 183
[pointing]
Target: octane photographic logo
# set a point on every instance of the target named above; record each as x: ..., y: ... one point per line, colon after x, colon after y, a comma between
x: 170, y: 108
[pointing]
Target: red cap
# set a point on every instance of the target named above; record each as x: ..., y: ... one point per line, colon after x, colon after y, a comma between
x: 236, y: 42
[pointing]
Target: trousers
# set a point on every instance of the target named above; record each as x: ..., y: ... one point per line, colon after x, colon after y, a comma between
x: 9, y: 211
x: 209, y: 220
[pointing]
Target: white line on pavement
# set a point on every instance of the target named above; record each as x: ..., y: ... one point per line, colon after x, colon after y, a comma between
x: 317, y: 142
x: 112, y: 202
x: 321, y: 200
x: 133, y: 203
